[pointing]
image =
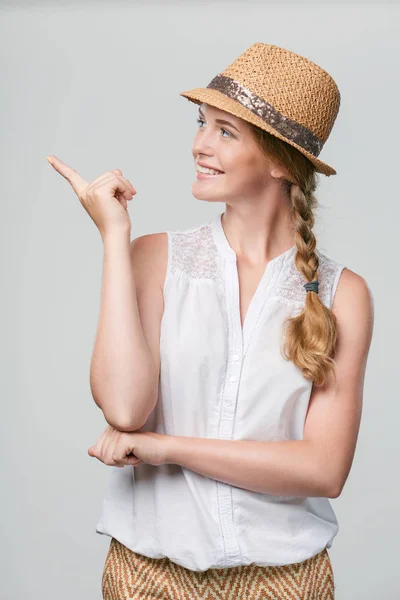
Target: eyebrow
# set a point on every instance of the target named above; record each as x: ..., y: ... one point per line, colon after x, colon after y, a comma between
x: 222, y: 121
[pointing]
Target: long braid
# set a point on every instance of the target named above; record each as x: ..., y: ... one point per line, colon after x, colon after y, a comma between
x: 310, y: 336
x: 303, y: 205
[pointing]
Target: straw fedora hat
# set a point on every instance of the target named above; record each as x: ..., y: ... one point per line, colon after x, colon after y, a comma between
x: 284, y: 93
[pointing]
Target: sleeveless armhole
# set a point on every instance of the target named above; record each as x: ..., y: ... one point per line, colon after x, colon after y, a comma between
x: 335, y: 282
x: 169, y: 260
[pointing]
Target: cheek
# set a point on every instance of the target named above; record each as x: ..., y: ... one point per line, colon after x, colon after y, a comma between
x: 250, y: 174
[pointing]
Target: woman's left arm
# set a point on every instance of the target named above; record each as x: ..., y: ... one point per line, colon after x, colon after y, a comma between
x: 319, y: 464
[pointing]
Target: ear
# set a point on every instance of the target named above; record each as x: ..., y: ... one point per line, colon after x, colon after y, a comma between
x: 277, y: 172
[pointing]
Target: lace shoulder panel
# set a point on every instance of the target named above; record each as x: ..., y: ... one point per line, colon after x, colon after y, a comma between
x: 290, y: 283
x: 193, y: 253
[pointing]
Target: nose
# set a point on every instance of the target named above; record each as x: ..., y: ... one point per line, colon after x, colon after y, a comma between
x: 203, y: 144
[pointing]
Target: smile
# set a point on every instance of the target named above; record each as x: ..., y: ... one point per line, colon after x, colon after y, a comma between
x: 200, y: 175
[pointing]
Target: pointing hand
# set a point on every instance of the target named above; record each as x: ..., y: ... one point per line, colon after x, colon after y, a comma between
x: 104, y: 199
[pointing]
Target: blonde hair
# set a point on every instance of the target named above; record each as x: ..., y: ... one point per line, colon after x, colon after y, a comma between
x: 310, y: 337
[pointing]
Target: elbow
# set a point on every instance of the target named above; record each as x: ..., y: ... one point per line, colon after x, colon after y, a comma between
x: 330, y: 475
x: 130, y: 419
x: 333, y: 487
x: 127, y: 424
x: 125, y: 415
x: 334, y: 492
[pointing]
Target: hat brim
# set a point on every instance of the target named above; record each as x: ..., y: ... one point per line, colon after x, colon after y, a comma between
x: 219, y: 100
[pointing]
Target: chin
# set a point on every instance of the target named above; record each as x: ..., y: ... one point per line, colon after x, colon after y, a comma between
x: 207, y: 195
x: 203, y: 199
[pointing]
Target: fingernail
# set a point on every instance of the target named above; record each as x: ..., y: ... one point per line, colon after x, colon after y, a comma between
x: 50, y: 159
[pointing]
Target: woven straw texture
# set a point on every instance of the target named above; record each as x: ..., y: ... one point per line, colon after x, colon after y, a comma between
x: 131, y: 576
x: 297, y: 88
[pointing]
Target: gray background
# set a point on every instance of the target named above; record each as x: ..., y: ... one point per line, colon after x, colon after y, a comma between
x: 98, y: 84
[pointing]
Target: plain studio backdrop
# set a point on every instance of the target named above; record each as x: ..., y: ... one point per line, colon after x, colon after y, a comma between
x: 97, y: 84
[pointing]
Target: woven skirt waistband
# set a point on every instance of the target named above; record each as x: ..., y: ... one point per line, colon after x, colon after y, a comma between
x: 128, y: 575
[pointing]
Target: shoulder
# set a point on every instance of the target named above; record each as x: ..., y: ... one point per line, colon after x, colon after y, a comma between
x: 148, y: 242
x: 353, y: 299
x: 148, y: 246
x: 189, y: 251
x: 353, y: 308
x: 352, y: 304
x: 349, y: 287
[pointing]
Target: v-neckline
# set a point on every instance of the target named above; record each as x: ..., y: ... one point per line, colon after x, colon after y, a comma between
x: 233, y: 285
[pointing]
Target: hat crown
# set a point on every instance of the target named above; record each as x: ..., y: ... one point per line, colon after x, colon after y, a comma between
x: 282, y: 92
x: 295, y: 86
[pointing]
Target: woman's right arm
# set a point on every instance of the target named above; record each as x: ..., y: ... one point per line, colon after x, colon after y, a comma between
x: 125, y: 365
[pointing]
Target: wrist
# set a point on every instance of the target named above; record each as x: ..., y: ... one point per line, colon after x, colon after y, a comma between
x: 171, y: 449
x: 116, y: 236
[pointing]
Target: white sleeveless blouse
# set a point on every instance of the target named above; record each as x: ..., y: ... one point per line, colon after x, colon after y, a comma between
x: 219, y: 381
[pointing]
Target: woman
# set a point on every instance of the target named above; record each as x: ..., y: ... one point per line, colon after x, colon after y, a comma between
x: 230, y: 357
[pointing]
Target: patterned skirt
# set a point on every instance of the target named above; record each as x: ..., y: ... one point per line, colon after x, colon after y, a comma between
x: 131, y: 576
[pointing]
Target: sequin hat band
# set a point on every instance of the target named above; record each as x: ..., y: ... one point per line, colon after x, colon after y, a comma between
x: 282, y: 92
x: 289, y: 129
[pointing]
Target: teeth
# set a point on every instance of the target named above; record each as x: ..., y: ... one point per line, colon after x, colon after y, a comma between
x: 205, y: 170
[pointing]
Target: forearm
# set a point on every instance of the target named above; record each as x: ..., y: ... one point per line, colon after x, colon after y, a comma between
x: 283, y: 468
x: 122, y: 373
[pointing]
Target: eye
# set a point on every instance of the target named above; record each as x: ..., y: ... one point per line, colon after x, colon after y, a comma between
x: 221, y: 128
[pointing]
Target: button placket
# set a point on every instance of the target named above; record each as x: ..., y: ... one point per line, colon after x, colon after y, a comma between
x: 230, y: 541
x: 234, y: 367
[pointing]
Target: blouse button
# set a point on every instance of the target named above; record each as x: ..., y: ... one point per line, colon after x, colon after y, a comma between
x: 228, y: 402
x: 235, y: 357
x: 232, y: 378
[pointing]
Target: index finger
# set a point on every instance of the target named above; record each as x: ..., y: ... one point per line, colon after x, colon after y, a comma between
x: 77, y: 182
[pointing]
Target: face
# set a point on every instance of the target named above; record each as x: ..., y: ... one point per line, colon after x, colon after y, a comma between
x: 229, y: 148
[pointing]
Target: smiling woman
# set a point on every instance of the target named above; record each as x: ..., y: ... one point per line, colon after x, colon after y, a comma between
x: 263, y: 343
